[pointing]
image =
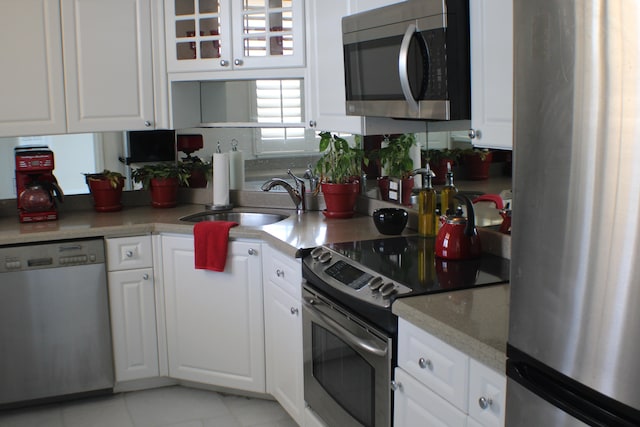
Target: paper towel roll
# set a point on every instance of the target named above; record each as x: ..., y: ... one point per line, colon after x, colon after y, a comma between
x: 384, y: 144
x: 220, y: 179
x: 236, y: 170
x: 414, y: 153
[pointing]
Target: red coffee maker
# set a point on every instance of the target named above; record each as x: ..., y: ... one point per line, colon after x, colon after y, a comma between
x: 37, y: 187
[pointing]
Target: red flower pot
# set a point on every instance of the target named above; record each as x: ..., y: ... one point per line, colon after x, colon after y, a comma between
x: 383, y: 185
x: 164, y: 192
x: 477, y: 168
x: 106, y: 198
x: 340, y: 199
x: 407, y: 186
x: 440, y: 169
x: 197, y: 179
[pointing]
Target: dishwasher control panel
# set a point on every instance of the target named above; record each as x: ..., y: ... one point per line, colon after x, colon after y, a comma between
x: 25, y: 257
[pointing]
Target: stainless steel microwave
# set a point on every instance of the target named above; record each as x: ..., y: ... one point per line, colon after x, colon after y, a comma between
x: 409, y: 60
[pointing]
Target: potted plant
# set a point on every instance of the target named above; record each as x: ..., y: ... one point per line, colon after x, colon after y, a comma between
x: 477, y: 162
x: 199, y: 172
x: 163, y: 179
x: 438, y: 160
x: 106, y: 189
x: 396, y: 160
x: 339, y: 172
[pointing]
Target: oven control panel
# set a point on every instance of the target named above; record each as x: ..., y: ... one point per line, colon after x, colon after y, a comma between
x: 348, y: 276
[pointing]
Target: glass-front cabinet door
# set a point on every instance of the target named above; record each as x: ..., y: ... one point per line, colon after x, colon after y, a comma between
x: 209, y: 35
x: 198, y: 34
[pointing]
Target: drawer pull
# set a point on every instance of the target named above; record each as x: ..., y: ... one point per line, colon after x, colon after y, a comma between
x: 425, y: 363
x: 128, y: 254
x: 252, y: 251
x: 279, y: 273
x: 485, y: 402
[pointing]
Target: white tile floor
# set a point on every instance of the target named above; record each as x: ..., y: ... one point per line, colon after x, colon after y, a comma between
x: 162, y: 407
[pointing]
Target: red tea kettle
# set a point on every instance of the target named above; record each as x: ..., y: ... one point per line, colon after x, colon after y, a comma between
x: 504, y: 211
x: 458, y: 237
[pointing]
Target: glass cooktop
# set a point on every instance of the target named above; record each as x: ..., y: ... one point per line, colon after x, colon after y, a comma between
x: 411, y: 261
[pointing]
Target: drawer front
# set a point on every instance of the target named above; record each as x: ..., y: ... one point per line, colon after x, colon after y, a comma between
x: 487, y: 394
x: 416, y: 405
x: 126, y: 253
x: 436, y: 364
x: 284, y: 271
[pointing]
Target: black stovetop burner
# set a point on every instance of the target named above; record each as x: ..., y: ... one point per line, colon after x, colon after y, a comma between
x: 367, y: 276
x: 411, y: 261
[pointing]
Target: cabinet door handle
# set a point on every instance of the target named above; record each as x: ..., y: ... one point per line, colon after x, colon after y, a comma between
x: 294, y: 311
x: 224, y: 63
x: 485, y: 402
x: 425, y: 363
x: 147, y: 123
x: 279, y: 273
x: 475, y: 133
x: 238, y: 62
x: 395, y: 386
x: 312, y: 123
x: 145, y: 276
x: 252, y: 251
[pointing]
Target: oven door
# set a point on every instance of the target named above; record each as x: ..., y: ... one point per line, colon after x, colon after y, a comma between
x: 347, y: 366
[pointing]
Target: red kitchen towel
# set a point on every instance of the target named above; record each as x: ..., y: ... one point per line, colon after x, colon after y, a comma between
x: 211, y: 240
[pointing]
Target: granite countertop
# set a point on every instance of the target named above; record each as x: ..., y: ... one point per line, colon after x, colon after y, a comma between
x: 475, y: 321
x: 307, y: 230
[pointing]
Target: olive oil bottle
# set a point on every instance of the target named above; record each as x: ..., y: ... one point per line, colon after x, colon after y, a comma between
x: 447, y: 204
x: 427, y: 218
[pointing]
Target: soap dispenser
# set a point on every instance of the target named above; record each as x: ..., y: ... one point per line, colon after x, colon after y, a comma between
x: 427, y: 219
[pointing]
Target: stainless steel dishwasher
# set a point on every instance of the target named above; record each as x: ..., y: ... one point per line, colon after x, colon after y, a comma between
x: 54, y: 322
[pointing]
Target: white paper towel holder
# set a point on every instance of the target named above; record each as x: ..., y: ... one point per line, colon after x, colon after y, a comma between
x: 218, y: 207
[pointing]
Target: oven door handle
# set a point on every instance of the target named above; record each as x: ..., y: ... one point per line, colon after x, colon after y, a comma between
x: 327, y: 322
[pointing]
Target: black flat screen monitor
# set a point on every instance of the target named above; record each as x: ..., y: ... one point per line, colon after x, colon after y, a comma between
x: 152, y: 146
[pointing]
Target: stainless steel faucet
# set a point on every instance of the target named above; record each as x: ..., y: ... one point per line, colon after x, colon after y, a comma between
x: 314, y: 181
x: 297, y: 194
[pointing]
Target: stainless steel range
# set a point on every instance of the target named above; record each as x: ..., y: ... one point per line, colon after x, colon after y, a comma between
x: 348, y: 326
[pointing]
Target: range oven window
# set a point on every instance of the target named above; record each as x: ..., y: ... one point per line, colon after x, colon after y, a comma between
x: 344, y: 374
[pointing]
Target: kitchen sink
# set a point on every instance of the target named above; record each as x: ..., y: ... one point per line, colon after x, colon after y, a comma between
x: 245, y: 219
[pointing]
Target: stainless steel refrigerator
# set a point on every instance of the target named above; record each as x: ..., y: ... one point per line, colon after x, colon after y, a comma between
x: 574, y: 334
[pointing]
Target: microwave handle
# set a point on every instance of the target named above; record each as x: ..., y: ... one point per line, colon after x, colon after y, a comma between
x: 403, y: 68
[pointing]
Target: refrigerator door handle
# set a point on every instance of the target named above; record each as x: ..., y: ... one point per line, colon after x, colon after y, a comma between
x: 575, y: 399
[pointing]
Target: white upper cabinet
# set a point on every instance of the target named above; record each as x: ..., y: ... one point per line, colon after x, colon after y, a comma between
x: 75, y: 66
x: 491, y: 26
x: 108, y: 64
x: 222, y: 35
x: 31, y: 88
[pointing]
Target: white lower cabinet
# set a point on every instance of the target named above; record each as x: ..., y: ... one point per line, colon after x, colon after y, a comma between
x: 214, y: 320
x: 283, y: 330
x: 416, y: 405
x: 133, y: 323
x: 437, y: 385
x: 487, y: 395
x: 133, y: 308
